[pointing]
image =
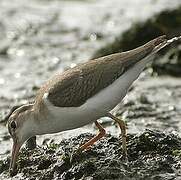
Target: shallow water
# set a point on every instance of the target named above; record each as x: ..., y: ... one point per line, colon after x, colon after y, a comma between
x: 40, y: 38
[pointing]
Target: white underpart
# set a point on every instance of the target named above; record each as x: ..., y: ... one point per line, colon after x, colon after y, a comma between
x: 65, y: 118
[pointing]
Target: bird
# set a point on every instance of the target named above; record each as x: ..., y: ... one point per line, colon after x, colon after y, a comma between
x: 81, y: 95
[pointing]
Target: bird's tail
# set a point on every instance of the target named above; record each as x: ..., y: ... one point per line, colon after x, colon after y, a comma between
x: 158, y: 44
x: 155, y: 45
x: 162, y: 44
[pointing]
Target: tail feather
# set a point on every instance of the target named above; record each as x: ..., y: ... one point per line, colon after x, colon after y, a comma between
x: 165, y: 43
x: 158, y: 43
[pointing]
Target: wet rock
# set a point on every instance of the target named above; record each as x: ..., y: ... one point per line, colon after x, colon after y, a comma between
x: 170, y: 63
x: 152, y: 154
x: 35, y: 88
x: 31, y: 143
x: 6, y: 137
x: 4, y: 165
x: 4, y: 48
x: 144, y: 99
x: 44, y: 164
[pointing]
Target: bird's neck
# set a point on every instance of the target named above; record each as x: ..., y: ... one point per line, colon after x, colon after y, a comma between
x: 44, y: 122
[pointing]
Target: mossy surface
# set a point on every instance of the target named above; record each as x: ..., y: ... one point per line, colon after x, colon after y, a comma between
x: 151, y: 155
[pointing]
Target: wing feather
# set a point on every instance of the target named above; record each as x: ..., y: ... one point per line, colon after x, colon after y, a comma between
x: 76, y: 85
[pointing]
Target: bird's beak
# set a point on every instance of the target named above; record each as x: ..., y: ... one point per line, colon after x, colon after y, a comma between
x: 14, y: 157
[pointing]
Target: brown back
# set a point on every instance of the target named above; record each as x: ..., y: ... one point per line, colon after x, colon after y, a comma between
x: 73, y: 87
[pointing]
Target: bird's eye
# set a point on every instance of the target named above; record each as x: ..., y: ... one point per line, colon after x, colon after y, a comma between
x: 13, y: 125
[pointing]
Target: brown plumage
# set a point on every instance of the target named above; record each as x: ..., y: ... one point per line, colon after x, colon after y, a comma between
x: 73, y: 87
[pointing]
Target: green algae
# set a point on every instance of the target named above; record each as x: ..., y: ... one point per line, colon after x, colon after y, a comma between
x: 177, y: 152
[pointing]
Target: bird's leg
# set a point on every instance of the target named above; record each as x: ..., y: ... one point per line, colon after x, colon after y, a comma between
x: 101, y: 133
x: 122, y: 126
x: 31, y: 143
x: 88, y: 144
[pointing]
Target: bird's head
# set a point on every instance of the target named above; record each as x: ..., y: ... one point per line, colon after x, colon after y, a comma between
x: 20, y: 129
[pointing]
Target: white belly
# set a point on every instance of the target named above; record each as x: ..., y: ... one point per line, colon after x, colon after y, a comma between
x: 73, y: 117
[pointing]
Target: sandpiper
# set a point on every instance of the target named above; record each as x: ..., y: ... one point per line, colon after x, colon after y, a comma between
x: 81, y: 95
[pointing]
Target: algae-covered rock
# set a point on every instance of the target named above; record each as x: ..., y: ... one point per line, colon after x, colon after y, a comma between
x: 170, y: 63
x: 4, y: 165
x: 167, y: 22
x: 151, y: 155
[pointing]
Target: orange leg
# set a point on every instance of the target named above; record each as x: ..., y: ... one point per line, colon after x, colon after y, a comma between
x: 122, y: 126
x: 101, y: 133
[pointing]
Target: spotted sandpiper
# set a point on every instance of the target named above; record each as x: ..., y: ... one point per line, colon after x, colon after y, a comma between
x: 82, y: 95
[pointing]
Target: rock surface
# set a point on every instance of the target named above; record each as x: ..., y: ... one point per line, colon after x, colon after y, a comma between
x: 151, y: 155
